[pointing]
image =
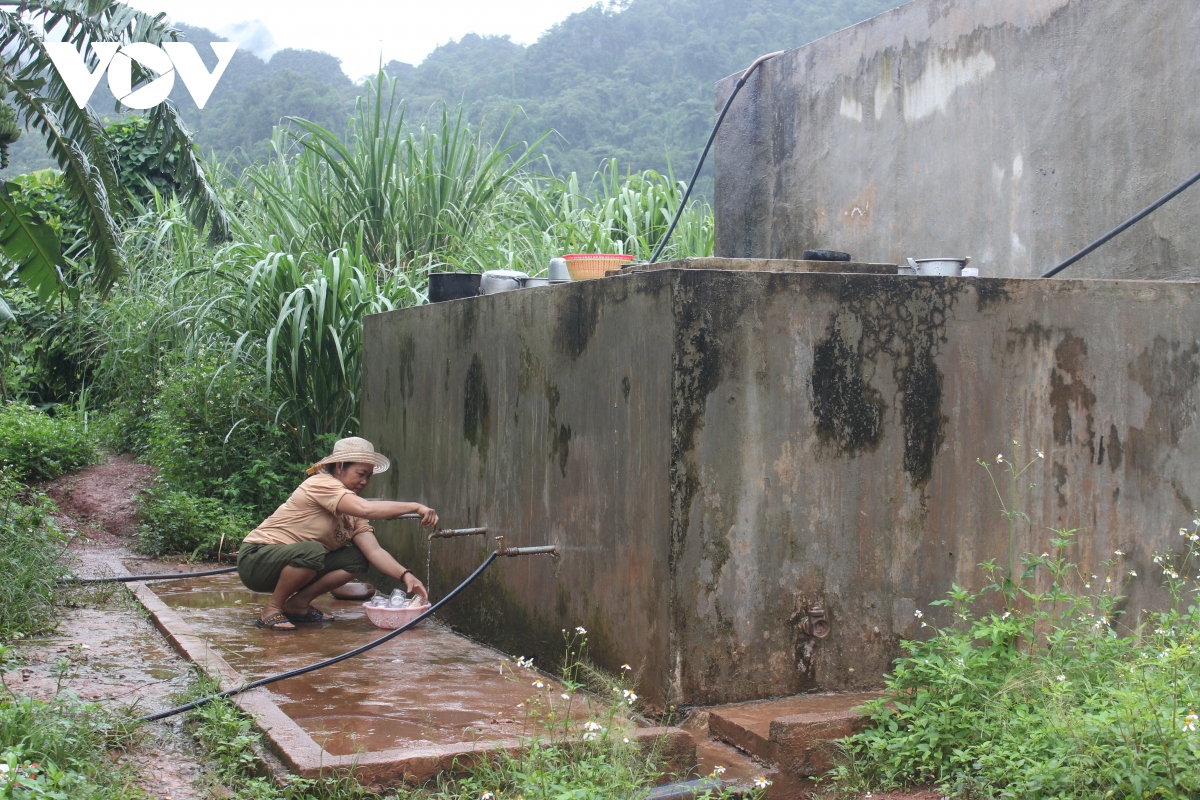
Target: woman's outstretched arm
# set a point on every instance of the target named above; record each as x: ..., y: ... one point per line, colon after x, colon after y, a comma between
x: 356, y: 506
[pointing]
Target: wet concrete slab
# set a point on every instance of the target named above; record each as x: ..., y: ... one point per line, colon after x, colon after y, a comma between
x: 794, y: 732
x: 428, y: 686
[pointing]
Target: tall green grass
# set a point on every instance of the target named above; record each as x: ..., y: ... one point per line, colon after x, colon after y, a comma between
x: 31, y: 560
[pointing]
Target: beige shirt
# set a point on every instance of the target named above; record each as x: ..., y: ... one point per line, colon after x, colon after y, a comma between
x: 309, y: 515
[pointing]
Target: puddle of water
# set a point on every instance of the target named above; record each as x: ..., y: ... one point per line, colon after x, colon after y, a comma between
x: 428, y: 685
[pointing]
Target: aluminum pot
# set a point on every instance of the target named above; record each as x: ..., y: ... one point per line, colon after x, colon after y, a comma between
x: 501, y: 280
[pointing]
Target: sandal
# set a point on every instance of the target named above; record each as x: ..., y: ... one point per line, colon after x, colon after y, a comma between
x: 312, y: 615
x: 273, y: 622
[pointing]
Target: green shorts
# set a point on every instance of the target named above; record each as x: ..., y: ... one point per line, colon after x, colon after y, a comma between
x: 259, y: 565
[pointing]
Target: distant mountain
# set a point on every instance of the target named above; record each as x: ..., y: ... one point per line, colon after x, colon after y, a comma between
x: 629, y: 80
x: 632, y: 81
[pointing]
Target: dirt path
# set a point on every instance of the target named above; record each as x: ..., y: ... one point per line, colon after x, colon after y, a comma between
x: 110, y: 651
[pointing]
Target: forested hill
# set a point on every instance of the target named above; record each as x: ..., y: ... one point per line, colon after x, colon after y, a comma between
x: 633, y: 80
x: 629, y: 80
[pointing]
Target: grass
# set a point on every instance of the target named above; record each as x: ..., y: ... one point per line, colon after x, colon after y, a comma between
x: 63, y: 747
x: 31, y: 559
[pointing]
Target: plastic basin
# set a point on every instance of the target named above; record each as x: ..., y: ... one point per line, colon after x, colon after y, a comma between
x: 392, y: 618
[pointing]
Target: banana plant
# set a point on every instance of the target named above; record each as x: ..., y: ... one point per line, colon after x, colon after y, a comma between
x: 76, y: 138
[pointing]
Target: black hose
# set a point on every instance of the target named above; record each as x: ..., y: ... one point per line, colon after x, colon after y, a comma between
x: 166, y: 576
x: 1145, y: 212
x: 712, y: 136
x: 169, y: 576
x: 327, y: 662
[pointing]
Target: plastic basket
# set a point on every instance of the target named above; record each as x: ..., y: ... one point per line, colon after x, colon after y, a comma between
x: 585, y: 266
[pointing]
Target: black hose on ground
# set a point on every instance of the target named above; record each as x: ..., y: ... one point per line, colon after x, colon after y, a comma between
x: 329, y: 661
x: 165, y: 576
x: 168, y: 576
x: 1145, y: 212
x: 711, y: 137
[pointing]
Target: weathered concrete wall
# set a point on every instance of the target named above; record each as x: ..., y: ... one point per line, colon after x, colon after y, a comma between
x: 541, y: 414
x: 1013, y: 131
x: 783, y: 439
x: 831, y: 434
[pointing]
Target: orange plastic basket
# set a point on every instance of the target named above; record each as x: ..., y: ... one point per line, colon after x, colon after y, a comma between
x: 584, y: 266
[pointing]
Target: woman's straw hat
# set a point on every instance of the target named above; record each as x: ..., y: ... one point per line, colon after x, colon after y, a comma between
x: 353, y: 448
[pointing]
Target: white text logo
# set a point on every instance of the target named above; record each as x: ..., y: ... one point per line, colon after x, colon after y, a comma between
x: 171, y: 58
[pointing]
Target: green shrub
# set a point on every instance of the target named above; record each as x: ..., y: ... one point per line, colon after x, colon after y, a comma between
x: 174, y: 523
x: 31, y: 550
x: 1038, y: 695
x: 210, y: 439
x: 35, y: 446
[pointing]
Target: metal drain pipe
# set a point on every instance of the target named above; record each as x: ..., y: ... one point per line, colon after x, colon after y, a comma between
x: 387, y: 637
x: 452, y: 532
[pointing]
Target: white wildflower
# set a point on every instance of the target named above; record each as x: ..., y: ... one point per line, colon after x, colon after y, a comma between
x: 761, y: 782
x: 580, y: 630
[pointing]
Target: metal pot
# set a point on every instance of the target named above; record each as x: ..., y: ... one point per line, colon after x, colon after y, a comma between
x: 941, y: 267
x: 501, y: 280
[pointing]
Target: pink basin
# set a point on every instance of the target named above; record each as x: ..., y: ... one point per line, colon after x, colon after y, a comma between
x: 392, y: 618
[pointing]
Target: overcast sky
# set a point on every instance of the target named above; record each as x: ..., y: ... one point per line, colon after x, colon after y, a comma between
x: 358, y: 31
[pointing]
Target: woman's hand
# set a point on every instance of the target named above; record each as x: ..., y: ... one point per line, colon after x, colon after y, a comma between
x: 414, y: 586
x: 429, y: 517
